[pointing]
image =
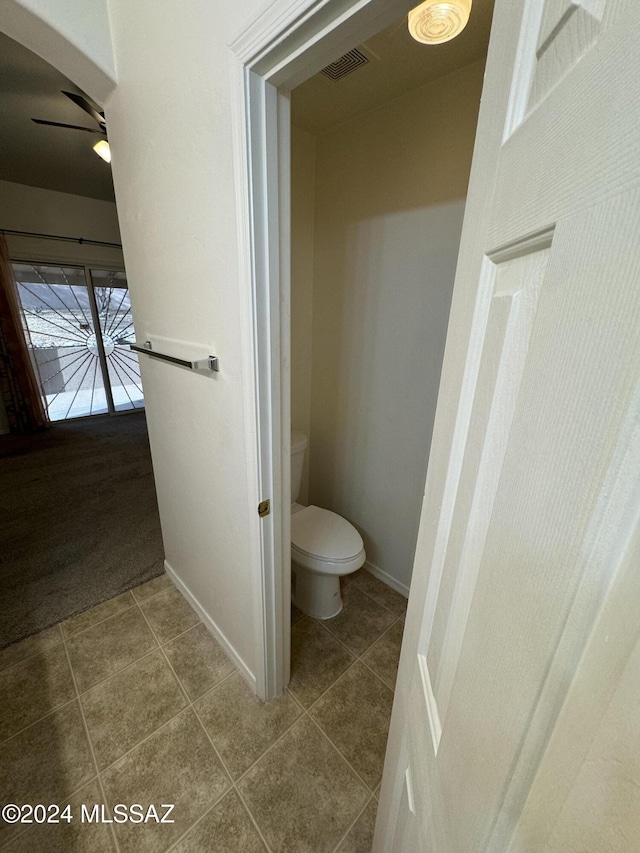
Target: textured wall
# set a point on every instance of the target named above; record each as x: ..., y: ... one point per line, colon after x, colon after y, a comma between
x: 390, y: 189
x: 176, y: 196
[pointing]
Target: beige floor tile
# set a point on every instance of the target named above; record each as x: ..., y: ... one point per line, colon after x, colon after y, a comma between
x: 97, y: 614
x: 302, y: 794
x: 108, y: 647
x: 131, y: 705
x: 30, y: 646
x: 240, y: 725
x: 152, y: 587
x: 169, y: 614
x: 361, y: 620
x: 69, y: 837
x: 199, y: 661
x: 46, y: 762
x: 175, y: 765
x: 33, y: 688
x: 227, y: 828
x: 383, y: 656
x: 383, y: 594
x: 345, y: 580
x: 355, y: 714
x: 317, y: 660
x: 360, y: 837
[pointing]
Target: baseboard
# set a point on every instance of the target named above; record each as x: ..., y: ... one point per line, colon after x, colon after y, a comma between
x: 383, y: 576
x: 240, y: 665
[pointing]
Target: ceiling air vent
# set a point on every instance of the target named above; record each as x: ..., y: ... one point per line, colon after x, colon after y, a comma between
x: 345, y: 65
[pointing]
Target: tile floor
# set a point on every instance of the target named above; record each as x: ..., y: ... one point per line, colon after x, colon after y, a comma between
x: 135, y: 702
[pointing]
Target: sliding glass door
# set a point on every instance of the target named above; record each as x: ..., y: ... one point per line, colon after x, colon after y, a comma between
x: 78, y: 326
x: 116, y: 324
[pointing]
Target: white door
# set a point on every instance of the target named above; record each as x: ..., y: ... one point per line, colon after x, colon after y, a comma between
x: 517, y: 718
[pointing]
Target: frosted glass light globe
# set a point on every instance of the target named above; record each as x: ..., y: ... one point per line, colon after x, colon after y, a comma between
x: 437, y: 21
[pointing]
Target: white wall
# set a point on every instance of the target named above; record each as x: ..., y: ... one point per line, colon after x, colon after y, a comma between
x: 302, y: 215
x: 176, y: 195
x: 390, y: 189
x: 25, y: 208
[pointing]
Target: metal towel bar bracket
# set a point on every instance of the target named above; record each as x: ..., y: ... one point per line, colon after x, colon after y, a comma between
x: 211, y: 362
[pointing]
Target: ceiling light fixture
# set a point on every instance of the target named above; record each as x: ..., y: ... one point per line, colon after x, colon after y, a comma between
x: 437, y: 21
x: 103, y: 150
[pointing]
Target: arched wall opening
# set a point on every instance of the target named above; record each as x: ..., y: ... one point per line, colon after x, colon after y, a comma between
x: 72, y: 35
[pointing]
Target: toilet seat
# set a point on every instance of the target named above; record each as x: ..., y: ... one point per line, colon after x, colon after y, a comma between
x: 324, y: 542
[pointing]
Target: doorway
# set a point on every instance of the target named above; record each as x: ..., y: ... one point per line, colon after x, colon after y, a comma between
x: 269, y: 70
x: 78, y: 326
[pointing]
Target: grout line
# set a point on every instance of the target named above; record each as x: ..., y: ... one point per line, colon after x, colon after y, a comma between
x: 269, y: 748
x: 164, y: 655
x: 351, y: 665
x: 166, y: 722
x: 106, y: 619
x: 39, y: 720
x: 63, y: 643
x: 333, y: 683
x: 252, y: 818
x: 342, y: 643
x: 61, y: 800
x: 194, y: 710
x: 373, y: 672
x: 118, y: 671
x: 36, y: 652
x: 384, y: 607
x: 143, y: 740
x: 90, y: 742
x: 153, y: 594
x: 372, y: 643
x: 296, y: 700
x: 99, y: 622
x: 346, y: 760
x: 210, y: 808
x: 234, y: 785
x: 213, y: 687
x: 371, y: 799
x: 379, y: 603
x: 191, y: 628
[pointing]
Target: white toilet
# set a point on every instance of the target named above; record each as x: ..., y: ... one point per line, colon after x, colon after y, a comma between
x: 324, y: 546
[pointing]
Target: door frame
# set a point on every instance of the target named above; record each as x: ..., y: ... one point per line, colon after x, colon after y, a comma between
x: 279, y: 49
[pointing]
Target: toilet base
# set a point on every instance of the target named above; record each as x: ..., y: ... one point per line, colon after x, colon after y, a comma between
x: 315, y: 595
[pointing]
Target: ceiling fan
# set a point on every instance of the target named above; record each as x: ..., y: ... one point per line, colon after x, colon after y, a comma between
x: 102, y: 146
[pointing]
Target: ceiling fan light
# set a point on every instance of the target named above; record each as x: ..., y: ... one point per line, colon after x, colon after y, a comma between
x: 437, y: 21
x: 103, y: 150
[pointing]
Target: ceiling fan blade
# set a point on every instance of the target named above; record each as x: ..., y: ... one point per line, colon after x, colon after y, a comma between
x: 72, y: 126
x: 84, y: 104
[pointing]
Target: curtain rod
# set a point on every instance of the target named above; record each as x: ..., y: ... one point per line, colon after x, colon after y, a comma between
x: 80, y: 240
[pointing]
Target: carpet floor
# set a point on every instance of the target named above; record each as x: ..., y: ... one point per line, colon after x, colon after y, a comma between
x: 78, y: 520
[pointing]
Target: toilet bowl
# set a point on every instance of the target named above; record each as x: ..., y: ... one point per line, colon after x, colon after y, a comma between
x: 324, y: 547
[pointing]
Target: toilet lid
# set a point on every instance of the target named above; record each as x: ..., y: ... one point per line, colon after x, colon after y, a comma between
x: 324, y: 535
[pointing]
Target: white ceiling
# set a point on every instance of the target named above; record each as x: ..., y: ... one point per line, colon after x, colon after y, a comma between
x: 397, y: 64
x: 61, y: 159
x: 50, y: 157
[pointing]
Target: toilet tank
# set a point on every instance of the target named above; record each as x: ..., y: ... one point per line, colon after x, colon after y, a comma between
x: 298, y: 447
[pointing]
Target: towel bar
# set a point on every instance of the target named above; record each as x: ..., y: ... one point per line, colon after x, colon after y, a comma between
x: 211, y: 362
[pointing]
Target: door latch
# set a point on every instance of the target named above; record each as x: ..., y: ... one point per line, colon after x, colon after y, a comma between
x: 264, y: 508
